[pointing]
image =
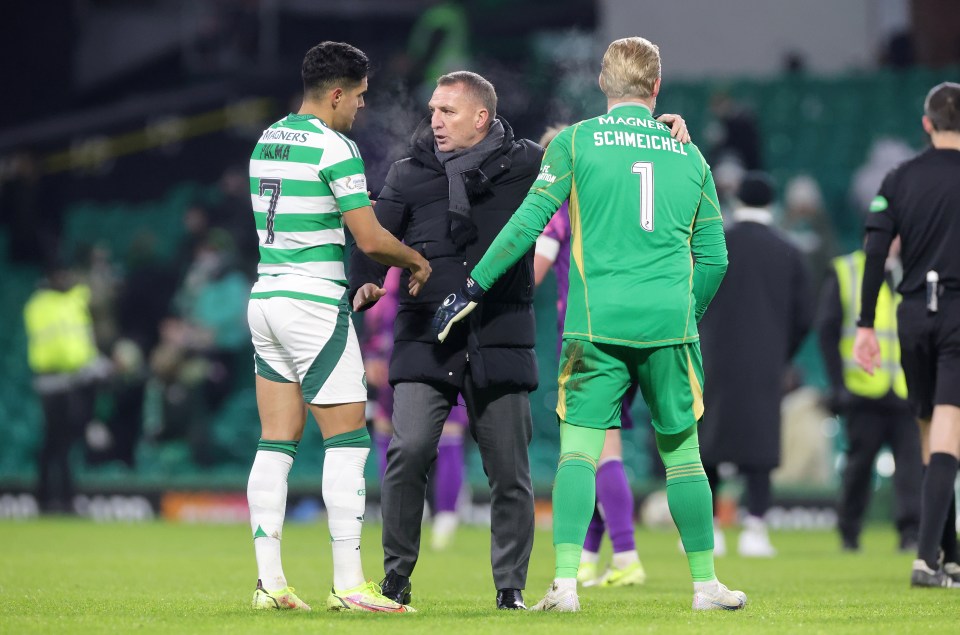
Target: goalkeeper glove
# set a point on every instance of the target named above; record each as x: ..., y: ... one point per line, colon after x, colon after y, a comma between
x: 455, y: 307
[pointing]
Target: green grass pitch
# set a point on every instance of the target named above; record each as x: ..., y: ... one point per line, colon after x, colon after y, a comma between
x: 67, y: 576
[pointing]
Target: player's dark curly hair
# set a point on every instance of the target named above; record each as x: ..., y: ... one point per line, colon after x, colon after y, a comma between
x: 942, y: 106
x: 330, y: 63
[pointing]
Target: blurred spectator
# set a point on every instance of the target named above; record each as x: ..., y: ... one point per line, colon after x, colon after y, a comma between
x: 733, y: 132
x: 809, y: 226
x: 143, y: 300
x: 145, y: 294
x: 899, y: 51
x: 196, y: 225
x: 727, y: 174
x: 807, y: 460
x: 885, y: 154
x: 201, y: 347
x: 102, y: 278
x: 232, y: 214
x: 63, y: 356
x: 875, y: 406
x: 794, y: 63
x: 755, y: 324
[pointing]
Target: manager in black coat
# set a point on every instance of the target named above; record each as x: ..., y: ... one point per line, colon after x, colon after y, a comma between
x: 464, y: 178
x: 755, y: 325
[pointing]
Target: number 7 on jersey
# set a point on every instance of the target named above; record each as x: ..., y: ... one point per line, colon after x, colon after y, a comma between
x: 273, y: 186
x: 645, y: 170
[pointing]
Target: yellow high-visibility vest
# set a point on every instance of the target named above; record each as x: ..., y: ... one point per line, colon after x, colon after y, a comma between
x: 59, y: 330
x: 889, y: 375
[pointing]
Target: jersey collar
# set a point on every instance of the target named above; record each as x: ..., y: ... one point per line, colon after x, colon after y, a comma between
x: 298, y: 117
x: 632, y: 104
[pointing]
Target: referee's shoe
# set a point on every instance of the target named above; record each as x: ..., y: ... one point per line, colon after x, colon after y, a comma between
x: 924, y: 576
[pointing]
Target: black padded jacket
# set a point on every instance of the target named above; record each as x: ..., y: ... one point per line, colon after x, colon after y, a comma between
x: 497, y: 341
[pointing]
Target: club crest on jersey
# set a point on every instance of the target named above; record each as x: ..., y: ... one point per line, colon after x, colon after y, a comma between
x: 545, y: 174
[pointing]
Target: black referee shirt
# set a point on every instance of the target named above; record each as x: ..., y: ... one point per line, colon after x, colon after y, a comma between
x: 920, y: 201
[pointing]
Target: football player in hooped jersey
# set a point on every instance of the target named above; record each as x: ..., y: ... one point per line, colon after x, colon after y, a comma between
x: 643, y: 207
x: 306, y: 182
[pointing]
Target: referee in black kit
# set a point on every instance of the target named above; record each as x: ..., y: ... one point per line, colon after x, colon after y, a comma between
x: 920, y: 202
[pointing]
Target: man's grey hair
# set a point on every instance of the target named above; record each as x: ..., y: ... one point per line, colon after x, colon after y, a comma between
x: 477, y: 86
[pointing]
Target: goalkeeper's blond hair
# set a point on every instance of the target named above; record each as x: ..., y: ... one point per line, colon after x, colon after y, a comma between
x: 630, y: 68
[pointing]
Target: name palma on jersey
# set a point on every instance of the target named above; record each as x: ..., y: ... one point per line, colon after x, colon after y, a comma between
x: 636, y: 139
x: 275, y: 151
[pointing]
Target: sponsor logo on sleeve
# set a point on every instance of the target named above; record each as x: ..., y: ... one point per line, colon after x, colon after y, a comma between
x: 356, y: 183
x: 545, y: 174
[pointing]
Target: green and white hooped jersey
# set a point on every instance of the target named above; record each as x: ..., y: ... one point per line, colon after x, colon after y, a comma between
x: 303, y: 177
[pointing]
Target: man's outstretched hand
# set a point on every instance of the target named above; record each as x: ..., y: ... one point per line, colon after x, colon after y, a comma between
x: 367, y: 294
x: 455, y: 307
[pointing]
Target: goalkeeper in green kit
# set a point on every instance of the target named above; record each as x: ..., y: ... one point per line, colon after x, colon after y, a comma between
x: 648, y: 254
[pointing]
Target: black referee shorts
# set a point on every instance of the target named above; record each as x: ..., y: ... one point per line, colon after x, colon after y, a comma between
x: 930, y: 352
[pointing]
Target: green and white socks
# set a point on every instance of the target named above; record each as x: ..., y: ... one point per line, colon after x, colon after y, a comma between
x: 690, y: 500
x: 267, y: 498
x: 345, y: 496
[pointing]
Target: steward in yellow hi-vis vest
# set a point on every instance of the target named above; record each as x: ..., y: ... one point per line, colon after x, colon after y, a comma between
x: 63, y: 356
x: 874, y: 408
x: 59, y: 330
x: 889, y: 376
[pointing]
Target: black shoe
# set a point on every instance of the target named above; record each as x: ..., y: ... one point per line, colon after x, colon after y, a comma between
x: 924, y: 576
x: 396, y: 587
x: 850, y: 545
x: 510, y: 599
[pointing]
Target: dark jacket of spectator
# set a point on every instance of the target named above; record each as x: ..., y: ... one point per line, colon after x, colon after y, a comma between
x: 754, y: 326
x: 414, y: 206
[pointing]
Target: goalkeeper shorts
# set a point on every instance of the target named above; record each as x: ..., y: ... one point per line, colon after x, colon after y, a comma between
x: 593, y: 379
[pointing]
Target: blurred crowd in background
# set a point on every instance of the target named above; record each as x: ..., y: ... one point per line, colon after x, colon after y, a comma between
x: 133, y: 187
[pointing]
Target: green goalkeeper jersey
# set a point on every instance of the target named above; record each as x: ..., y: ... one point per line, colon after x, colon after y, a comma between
x: 647, y: 244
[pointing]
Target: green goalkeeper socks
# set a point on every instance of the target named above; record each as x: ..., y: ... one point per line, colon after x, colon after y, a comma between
x: 690, y: 499
x: 574, y: 494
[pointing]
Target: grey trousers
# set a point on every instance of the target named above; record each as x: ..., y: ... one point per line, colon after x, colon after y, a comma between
x: 501, y: 424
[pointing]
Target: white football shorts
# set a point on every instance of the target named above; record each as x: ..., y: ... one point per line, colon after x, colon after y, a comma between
x: 309, y: 343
